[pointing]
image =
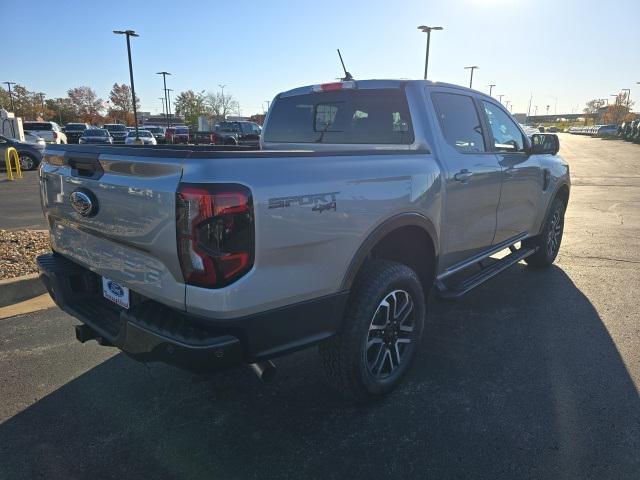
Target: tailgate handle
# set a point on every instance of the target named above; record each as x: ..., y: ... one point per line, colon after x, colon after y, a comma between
x: 85, y: 165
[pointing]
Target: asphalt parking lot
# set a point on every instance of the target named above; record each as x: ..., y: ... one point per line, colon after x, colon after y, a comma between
x: 20, y: 202
x: 533, y: 375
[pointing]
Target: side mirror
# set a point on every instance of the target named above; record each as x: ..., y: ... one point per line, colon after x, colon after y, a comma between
x: 544, y: 144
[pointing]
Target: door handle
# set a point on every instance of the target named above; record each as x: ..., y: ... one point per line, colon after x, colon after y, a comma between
x: 462, y: 175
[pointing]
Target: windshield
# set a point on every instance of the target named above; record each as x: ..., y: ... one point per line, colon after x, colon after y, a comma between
x: 116, y: 128
x: 141, y: 133
x: 342, y: 116
x: 95, y: 132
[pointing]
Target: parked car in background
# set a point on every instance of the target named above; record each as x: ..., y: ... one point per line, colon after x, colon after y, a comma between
x: 552, y: 129
x: 203, y: 138
x: 96, y: 136
x: 245, y: 133
x: 49, y: 131
x: 178, y: 134
x: 157, y: 132
x: 74, y: 131
x: 35, y: 140
x: 607, y: 130
x: 118, y: 131
x: 145, y: 135
x: 529, y: 130
x: 30, y: 155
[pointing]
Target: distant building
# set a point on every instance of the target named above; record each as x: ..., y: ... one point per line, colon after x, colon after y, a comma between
x: 257, y: 118
x: 142, y: 117
x: 161, y: 120
x: 520, y: 117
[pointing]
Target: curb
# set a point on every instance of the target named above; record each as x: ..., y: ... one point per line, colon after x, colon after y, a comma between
x: 14, y: 290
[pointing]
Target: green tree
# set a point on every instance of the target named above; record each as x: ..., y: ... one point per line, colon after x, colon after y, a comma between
x: 5, y: 102
x: 86, y: 103
x: 190, y: 105
x: 121, y: 108
x: 62, y: 110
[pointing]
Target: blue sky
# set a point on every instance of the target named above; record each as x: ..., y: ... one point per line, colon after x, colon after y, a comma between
x: 566, y: 49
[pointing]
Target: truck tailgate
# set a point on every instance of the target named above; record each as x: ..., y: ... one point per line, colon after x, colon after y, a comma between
x: 129, y: 232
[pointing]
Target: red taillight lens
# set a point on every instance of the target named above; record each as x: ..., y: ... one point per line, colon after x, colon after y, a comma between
x: 55, y: 135
x: 215, y: 233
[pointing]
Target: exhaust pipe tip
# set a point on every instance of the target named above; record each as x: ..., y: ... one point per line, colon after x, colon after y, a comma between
x: 85, y: 333
x: 265, y: 371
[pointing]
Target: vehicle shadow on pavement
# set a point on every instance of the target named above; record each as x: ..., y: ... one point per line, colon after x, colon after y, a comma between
x: 518, y: 380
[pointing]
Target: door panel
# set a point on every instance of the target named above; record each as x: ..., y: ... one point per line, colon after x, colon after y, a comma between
x: 521, y: 178
x: 520, y: 197
x: 472, y: 178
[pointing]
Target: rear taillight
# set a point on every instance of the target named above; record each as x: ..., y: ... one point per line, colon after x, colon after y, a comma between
x: 55, y: 135
x: 215, y: 233
x: 328, y: 87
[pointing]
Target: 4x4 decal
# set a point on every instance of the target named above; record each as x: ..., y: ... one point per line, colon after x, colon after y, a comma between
x: 320, y: 201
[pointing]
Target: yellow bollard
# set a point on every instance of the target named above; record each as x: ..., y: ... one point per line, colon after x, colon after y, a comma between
x: 12, y: 152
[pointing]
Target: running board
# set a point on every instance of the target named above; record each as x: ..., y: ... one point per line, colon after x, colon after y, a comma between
x: 486, y: 273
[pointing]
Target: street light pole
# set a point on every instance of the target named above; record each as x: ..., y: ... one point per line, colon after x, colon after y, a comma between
x: 628, y: 90
x: 128, y: 34
x: 500, y: 97
x: 169, y: 90
x: 471, y: 79
x: 164, y: 79
x: 41, y: 95
x: 162, y: 100
x: 11, y: 96
x: 491, y: 85
x: 428, y: 31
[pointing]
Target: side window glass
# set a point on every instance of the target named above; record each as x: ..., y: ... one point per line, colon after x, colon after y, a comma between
x: 507, y: 137
x: 459, y: 121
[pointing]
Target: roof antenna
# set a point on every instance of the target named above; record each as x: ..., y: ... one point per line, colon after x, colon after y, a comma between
x: 347, y: 76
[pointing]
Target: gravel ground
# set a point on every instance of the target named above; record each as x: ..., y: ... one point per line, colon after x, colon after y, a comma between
x: 19, y: 249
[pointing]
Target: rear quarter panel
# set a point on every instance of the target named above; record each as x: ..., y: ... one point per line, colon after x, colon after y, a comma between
x: 304, y: 242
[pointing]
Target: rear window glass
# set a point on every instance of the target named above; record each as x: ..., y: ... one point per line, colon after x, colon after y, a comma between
x: 459, y: 121
x: 37, y: 126
x: 229, y: 127
x: 116, y: 128
x: 182, y: 131
x: 75, y: 126
x: 376, y: 116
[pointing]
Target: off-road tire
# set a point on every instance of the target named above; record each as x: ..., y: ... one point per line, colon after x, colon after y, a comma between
x: 344, y: 356
x: 547, y: 247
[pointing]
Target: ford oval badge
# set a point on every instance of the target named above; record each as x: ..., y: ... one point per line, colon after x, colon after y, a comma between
x: 84, y: 202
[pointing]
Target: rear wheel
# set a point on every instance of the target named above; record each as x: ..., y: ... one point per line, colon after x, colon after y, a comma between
x: 381, y: 332
x: 549, y: 240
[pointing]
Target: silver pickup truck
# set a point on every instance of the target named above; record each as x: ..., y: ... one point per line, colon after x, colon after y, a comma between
x: 364, y: 196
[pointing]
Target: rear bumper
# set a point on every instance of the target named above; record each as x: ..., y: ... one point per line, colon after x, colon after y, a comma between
x: 146, y: 332
x: 150, y: 331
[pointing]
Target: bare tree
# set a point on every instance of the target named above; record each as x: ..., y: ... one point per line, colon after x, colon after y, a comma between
x: 219, y: 105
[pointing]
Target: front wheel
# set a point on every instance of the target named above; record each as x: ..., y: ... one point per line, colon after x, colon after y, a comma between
x: 380, y: 335
x: 27, y: 162
x: 549, y: 240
